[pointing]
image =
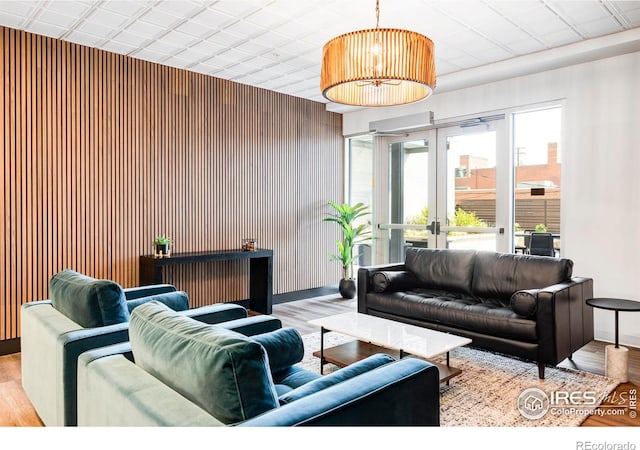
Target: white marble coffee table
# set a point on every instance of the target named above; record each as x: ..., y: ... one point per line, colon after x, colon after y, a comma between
x: 378, y: 335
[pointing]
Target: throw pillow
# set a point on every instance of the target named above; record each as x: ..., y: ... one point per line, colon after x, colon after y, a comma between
x: 393, y: 281
x: 224, y: 372
x: 87, y: 301
x: 284, y: 347
x: 177, y: 300
x: 525, y: 303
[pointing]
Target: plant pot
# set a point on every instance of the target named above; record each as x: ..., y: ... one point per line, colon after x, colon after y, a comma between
x: 347, y: 288
x: 162, y: 249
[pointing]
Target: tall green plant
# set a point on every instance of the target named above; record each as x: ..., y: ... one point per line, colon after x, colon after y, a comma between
x: 345, y: 216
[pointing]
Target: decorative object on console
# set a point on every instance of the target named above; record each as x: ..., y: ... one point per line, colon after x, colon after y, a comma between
x: 378, y: 67
x: 346, y: 217
x: 162, y: 246
x: 249, y: 244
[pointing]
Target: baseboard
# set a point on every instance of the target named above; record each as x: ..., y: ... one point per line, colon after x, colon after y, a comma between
x: 304, y: 294
x: 10, y: 346
x: 627, y: 340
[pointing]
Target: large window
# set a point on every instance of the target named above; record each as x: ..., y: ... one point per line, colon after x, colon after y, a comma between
x: 537, y: 163
x: 484, y: 183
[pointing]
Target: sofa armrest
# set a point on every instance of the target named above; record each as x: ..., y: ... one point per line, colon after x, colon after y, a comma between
x: 113, y: 391
x: 41, y: 325
x: 50, y: 346
x: 233, y: 317
x: 72, y: 345
x: 144, y: 291
x: 252, y: 325
x: 365, y: 275
x: 219, y: 312
x: 564, y: 322
x: 176, y: 300
x: 401, y: 393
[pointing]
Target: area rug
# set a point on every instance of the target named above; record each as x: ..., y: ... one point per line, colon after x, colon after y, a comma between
x: 486, y: 393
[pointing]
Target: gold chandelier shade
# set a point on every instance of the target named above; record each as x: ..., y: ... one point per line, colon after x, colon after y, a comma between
x: 378, y: 67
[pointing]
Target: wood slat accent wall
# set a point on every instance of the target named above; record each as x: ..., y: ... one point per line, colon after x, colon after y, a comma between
x: 102, y: 152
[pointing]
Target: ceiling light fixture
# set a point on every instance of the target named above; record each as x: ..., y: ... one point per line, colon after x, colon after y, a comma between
x: 378, y: 67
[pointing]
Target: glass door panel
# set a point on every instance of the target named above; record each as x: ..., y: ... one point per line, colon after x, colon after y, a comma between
x: 471, y: 203
x: 467, y: 206
x: 409, y: 190
x: 447, y: 188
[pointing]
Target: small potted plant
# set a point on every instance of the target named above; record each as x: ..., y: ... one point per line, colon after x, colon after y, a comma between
x: 345, y: 216
x: 162, y: 244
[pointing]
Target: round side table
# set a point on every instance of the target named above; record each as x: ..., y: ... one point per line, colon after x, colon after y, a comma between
x: 617, y: 357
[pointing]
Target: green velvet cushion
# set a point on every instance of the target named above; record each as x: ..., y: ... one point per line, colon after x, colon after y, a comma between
x: 224, y: 372
x: 346, y: 373
x: 284, y: 347
x: 87, y: 301
x: 178, y: 300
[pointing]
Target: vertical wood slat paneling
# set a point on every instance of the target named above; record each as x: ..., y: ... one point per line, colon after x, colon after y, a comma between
x: 101, y: 152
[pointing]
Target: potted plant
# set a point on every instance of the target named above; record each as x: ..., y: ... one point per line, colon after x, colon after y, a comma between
x: 345, y: 216
x: 162, y: 244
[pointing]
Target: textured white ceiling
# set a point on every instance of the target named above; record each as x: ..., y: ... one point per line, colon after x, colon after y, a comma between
x: 277, y: 44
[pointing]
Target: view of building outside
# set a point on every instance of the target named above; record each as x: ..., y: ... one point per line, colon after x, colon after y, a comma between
x: 537, y: 163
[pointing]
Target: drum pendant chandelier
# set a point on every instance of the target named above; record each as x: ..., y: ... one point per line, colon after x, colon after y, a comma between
x: 378, y: 67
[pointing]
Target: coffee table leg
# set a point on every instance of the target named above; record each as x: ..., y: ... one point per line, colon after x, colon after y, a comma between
x: 322, y: 332
x: 448, y: 366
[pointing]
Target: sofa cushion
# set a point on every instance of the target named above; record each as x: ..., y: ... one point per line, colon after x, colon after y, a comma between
x: 525, y: 303
x: 351, y: 371
x: 177, y: 300
x: 488, y: 316
x: 284, y: 347
x: 294, y: 377
x: 224, y: 372
x: 442, y: 269
x: 499, y: 275
x: 88, y: 301
x: 392, y: 281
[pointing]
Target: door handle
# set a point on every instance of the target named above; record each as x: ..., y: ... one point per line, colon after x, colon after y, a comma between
x: 434, y: 228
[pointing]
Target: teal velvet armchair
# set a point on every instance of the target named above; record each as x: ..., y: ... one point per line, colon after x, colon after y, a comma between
x: 175, y: 371
x: 83, y: 314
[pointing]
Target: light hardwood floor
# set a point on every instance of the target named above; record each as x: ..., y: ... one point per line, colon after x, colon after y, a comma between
x: 16, y: 410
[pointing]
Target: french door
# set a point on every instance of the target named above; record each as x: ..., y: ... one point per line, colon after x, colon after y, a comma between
x: 447, y: 187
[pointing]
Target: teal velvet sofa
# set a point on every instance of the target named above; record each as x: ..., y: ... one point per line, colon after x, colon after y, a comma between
x: 176, y: 371
x: 85, y: 313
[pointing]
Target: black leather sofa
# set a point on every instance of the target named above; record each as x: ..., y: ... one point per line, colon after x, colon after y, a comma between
x: 530, y: 307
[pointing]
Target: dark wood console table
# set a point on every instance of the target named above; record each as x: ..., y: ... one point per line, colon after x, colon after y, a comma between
x: 260, y: 271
